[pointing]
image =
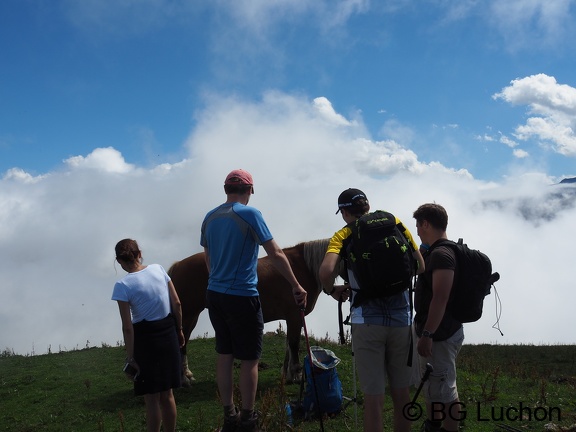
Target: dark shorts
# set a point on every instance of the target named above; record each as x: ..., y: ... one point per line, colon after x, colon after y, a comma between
x: 238, y: 324
x: 157, y: 352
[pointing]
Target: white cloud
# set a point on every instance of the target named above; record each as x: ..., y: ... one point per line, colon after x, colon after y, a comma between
x: 507, y: 141
x: 520, y: 154
x: 58, y: 232
x: 561, y: 136
x: 324, y: 107
x: 386, y: 158
x: 20, y: 175
x: 542, y: 94
x: 485, y: 137
x: 553, y: 107
x: 522, y: 24
x: 530, y: 23
x: 101, y: 159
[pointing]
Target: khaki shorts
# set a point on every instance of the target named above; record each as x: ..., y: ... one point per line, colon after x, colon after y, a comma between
x: 381, y: 355
x: 441, y: 385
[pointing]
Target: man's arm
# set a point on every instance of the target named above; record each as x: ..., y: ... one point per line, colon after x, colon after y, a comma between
x: 280, y: 262
x: 442, y: 280
x: 327, y: 274
x: 176, y: 308
x: 420, y: 259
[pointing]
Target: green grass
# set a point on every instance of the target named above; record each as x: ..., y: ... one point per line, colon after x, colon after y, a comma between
x: 85, y: 390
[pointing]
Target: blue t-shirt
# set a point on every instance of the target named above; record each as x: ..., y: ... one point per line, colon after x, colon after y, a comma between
x: 232, y: 233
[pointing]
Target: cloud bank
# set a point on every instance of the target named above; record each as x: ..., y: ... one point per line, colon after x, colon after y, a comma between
x: 58, y: 230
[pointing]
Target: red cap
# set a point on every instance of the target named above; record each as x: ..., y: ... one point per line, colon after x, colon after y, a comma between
x: 239, y: 176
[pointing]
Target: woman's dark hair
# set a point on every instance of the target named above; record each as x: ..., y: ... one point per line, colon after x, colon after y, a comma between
x: 240, y: 189
x: 434, y: 213
x: 127, y: 250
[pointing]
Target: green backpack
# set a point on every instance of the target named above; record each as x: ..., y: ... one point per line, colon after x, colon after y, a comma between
x: 379, y: 256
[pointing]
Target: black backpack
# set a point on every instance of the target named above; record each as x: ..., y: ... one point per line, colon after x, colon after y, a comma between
x: 379, y: 256
x: 474, y: 279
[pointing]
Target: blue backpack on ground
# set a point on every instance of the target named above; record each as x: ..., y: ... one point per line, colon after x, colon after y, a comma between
x: 323, y: 381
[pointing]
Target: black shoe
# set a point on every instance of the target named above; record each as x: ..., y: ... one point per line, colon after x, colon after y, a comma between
x: 231, y: 423
x: 250, y: 424
x: 427, y: 426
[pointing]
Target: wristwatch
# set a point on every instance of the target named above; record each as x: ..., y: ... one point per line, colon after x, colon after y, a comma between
x: 331, y: 292
x: 426, y: 333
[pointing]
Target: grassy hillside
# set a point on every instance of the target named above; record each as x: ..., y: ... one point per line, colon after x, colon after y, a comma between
x: 530, y: 388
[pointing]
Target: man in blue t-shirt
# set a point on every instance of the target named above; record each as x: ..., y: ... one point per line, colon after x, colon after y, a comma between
x: 231, y: 235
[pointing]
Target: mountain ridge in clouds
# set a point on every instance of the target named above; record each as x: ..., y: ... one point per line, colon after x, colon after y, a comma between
x: 538, y: 209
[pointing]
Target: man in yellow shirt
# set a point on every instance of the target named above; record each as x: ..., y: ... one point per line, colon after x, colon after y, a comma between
x: 381, y: 327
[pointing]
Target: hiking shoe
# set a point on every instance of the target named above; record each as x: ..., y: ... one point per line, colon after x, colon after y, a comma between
x: 249, y: 425
x: 231, y: 423
x: 427, y: 426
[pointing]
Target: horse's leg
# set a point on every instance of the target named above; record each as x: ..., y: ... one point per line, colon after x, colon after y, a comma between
x: 188, y: 327
x: 187, y: 375
x: 292, y: 368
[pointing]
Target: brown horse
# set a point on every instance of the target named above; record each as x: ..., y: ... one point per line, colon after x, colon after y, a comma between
x: 190, y: 277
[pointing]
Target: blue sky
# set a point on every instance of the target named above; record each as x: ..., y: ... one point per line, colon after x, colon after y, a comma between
x: 122, y: 118
x: 76, y: 76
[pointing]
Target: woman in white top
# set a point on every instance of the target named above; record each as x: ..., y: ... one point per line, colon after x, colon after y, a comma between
x: 152, y: 327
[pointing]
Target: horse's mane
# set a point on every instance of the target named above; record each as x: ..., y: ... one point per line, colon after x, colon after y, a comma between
x: 314, y: 252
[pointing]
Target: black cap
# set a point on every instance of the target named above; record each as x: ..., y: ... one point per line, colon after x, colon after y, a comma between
x: 350, y: 198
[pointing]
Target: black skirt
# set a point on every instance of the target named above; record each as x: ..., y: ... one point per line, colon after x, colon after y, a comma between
x: 157, y: 352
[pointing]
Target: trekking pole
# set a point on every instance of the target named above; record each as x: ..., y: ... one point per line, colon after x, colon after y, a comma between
x: 302, y: 314
x: 342, y: 342
x: 354, y: 387
x: 411, y: 410
x: 429, y: 370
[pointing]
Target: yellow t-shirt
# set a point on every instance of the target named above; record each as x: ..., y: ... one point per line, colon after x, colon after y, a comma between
x: 337, y: 241
x: 393, y: 311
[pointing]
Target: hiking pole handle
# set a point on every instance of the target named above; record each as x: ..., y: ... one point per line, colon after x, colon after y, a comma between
x: 302, y: 315
x: 429, y: 370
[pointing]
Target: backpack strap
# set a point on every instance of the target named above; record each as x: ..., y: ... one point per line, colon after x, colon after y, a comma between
x: 444, y: 242
x: 450, y: 244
